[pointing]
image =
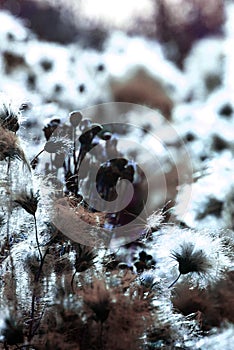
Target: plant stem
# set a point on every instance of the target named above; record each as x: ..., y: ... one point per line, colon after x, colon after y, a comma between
x: 174, y: 281
x: 31, y: 330
x: 38, y: 246
x: 74, y: 149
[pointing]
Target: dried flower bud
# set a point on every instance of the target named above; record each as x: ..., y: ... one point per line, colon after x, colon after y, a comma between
x: 51, y: 127
x: 75, y: 118
x: 28, y: 201
x: 87, y: 137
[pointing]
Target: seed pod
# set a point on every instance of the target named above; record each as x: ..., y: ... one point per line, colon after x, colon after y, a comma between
x: 75, y: 118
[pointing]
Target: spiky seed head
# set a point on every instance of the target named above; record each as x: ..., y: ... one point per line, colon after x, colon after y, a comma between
x: 9, y: 115
x: 191, y: 260
x: 201, y: 255
x: 84, y: 258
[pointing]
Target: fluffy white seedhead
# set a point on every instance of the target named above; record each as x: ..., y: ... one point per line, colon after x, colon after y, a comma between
x: 195, y: 255
x: 155, y: 219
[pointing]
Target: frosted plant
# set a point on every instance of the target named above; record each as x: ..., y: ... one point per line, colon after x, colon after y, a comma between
x: 29, y: 201
x: 170, y: 330
x: 191, y: 260
x: 199, y: 255
x: 207, y: 206
x: 220, y: 340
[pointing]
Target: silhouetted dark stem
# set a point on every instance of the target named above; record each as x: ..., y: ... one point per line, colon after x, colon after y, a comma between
x: 72, y: 280
x: 38, y: 246
x: 74, y: 148
x: 36, y: 156
x: 174, y: 281
x: 8, y: 166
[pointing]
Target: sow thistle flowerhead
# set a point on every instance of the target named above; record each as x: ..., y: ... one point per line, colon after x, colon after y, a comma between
x: 200, y: 256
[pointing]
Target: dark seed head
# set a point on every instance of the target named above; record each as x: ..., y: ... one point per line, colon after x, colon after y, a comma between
x: 191, y: 260
x: 28, y: 201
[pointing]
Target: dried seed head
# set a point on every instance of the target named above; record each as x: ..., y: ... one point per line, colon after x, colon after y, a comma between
x: 28, y: 201
x: 191, y: 260
x: 201, y: 255
x: 75, y: 118
x: 9, y: 147
x: 9, y: 115
x: 84, y: 258
x: 50, y: 127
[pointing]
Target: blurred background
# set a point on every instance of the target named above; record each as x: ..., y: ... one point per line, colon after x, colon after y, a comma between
x: 177, y: 24
x: 173, y: 56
